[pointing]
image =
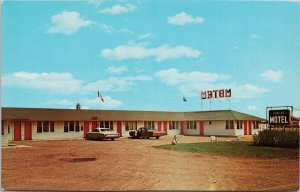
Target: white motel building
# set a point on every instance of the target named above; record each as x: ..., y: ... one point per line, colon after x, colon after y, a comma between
x: 57, y: 124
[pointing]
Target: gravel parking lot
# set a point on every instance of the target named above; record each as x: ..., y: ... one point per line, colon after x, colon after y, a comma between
x: 127, y: 164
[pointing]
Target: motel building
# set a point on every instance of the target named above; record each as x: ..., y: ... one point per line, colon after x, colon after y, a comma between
x: 60, y: 124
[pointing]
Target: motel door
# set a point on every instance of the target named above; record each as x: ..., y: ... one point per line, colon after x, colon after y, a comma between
x: 119, y: 127
x: 159, y: 126
x: 17, y: 131
x: 28, y: 131
x: 249, y: 128
x: 86, y: 125
x: 201, y: 125
x: 94, y: 124
x: 245, y: 127
x: 165, y: 126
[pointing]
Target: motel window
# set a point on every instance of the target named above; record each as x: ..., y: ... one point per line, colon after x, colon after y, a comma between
x: 149, y: 124
x: 45, y: 126
x: 71, y: 126
x: 51, y: 126
x: 255, y: 124
x: 173, y: 125
x: 130, y: 125
x: 229, y: 125
x: 77, y: 126
x: 39, y: 127
x: 239, y: 124
x: 191, y: 125
x: 66, y: 126
x: 106, y: 124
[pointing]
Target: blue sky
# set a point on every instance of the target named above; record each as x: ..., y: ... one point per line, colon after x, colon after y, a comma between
x: 148, y: 55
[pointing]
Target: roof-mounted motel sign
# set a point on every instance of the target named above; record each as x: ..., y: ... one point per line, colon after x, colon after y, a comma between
x: 279, y: 117
x: 221, y: 93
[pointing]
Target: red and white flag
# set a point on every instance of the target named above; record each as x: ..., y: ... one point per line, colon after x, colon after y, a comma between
x: 100, y: 96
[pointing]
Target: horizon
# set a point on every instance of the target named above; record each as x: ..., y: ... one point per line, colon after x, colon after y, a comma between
x: 151, y: 55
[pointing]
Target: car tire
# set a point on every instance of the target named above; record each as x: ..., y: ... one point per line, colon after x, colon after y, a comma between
x: 157, y: 137
x: 112, y: 139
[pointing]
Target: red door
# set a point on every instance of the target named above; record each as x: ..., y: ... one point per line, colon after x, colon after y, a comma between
x: 94, y: 124
x: 119, y: 127
x: 166, y: 127
x: 17, y: 131
x: 28, y: 131
x: 181, y: 128
x: 249, y: 128
x: 245, y: 127
x: 86, y: 127
x: 201, y: 125
x: 159, y: 126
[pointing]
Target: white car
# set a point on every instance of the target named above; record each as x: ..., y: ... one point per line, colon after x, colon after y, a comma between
x: 101, y: 133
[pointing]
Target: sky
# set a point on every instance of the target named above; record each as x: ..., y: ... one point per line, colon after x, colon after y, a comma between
x: 149, y: 54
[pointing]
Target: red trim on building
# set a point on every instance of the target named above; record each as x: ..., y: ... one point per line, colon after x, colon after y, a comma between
x: 119, y: 127
x: 17, y: 130
x: 245, y: 127
x: 94, y: 124
x: 159, y: 125
x: 165, y: 123
x: 201, y: 125
x: 28, y: 130
x: 86, y: 127
x: 181, y: 128
x: 249, y: 128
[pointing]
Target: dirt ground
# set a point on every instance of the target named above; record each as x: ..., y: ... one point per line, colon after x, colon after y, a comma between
x: 127, y: 164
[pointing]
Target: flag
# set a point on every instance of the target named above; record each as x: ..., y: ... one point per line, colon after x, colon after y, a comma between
x: 100, y: 96
x: 184, y: 99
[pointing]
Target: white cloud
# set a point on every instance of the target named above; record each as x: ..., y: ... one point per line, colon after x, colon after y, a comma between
x: 191, y: 84
x: 96, y: 102
x: 109, y: 29
x: 271, y: 75
x: 246, y: 91
x: 63, y: 83
x: 115, y: 84
x: 68, y: 23
x: 182, y: 19
x: 118, y: 9
x: 146, y: 35
x: 116, y: 70
x: 97, y: 3
x: 252, y: 108
x: 139, y: 51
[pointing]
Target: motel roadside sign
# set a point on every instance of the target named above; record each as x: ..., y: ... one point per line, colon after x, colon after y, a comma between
x: 279, y: 117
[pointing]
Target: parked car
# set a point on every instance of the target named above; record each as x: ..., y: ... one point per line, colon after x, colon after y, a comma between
x: 146, y: 133
x: 101, y: 133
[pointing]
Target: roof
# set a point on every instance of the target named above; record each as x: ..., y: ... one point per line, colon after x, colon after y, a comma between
x: 219, y: 115
x: 45, y: 114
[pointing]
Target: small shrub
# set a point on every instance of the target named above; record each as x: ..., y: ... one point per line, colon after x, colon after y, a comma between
x: 277, y: 138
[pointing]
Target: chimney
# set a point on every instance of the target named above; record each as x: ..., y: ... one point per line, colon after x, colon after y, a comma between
x: 78, y: 106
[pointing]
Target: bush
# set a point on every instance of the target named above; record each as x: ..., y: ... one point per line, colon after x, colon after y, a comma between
x: 277, y: 138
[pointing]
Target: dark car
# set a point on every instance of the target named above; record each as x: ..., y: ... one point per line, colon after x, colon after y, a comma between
x: 146, y: 133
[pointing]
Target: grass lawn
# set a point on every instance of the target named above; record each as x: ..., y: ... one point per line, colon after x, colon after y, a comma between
x: 233, y: 148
